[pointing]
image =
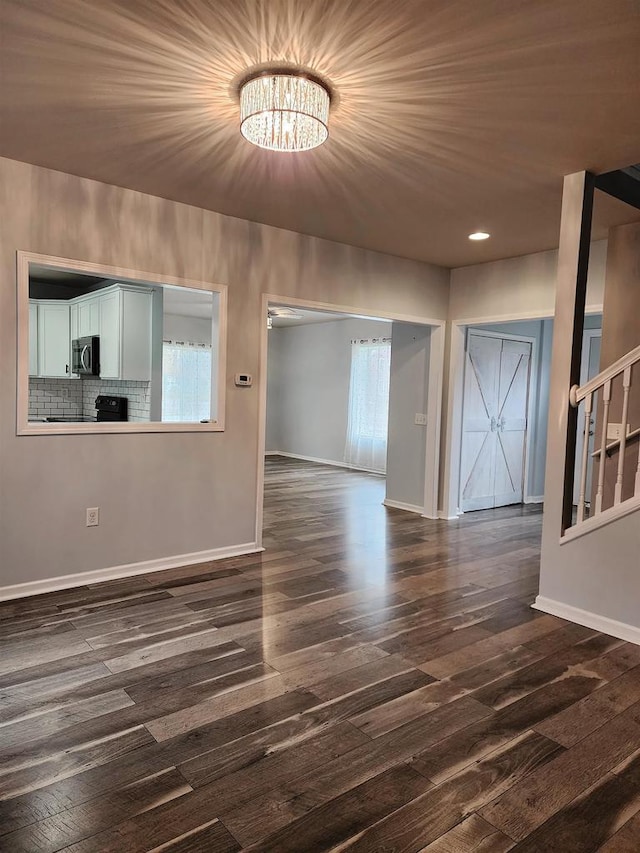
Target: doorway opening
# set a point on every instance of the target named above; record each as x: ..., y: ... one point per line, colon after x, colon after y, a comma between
x: 500, y: 429
x: 352, y: 400
x: 328, y: 388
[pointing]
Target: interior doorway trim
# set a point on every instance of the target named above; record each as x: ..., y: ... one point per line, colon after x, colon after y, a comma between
x: 455, y: 387
x: 434, y: 392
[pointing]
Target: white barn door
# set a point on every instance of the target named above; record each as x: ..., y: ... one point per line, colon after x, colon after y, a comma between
x: 494, y: 425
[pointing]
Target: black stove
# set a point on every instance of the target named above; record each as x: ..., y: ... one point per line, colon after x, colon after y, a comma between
x: 111, y: 408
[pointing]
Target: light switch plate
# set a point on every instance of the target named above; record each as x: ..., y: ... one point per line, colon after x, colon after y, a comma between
x: 614, y: 431
x: 420, y: 420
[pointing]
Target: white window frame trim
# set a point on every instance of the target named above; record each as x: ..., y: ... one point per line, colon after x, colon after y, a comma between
x: 130, y: 276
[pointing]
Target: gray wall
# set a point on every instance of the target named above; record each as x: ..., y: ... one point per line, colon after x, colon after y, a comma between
x: 308, y: 386
x: 524, y: 286
x: 195, y: 330
x: 407, y: 397
x: 161, y: 495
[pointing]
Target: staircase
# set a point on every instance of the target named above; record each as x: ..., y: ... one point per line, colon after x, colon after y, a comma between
x: 591, y: 536
x: 614, y: 466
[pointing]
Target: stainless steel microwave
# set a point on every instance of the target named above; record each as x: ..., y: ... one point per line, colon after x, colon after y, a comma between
x: 85, y: 356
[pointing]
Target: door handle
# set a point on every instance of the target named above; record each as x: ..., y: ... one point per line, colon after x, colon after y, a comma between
x: 493, y: 424
x: 82, y: 362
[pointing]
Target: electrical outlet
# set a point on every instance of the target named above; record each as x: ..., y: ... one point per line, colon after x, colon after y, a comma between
x: 614, y: 432
x: 93, y: 516
x: 64, y: 392
x: 420, y: 420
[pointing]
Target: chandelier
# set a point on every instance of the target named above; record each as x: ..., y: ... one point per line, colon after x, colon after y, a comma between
x: 284, y: 111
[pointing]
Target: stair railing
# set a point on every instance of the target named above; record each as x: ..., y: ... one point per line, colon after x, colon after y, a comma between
x: 603, y: 383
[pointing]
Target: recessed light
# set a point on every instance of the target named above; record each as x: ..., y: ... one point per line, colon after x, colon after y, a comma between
x: 479, y: 235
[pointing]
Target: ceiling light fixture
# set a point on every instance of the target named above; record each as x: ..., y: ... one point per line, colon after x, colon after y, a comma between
x: 479, y: 235
x: 284, y: 111
x: 284, y: 311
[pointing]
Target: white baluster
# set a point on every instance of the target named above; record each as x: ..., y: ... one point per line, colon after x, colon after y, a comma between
x: 585, y: 456
x: 626, y: 385
x: 606, y: 399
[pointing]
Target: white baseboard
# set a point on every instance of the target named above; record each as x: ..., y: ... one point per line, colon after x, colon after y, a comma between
x: 22, y: 590
x: 404, y: 506
x: 622, y: 630
x: 319, y: 461
x: 534, y: 499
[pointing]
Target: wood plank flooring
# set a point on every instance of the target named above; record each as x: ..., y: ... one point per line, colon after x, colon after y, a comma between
x: 373, y: 682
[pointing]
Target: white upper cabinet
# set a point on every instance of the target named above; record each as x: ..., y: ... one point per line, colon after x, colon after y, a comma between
x: 54, y: 339
x: 125, y: 333
x: 33, y: 338
x: 88, y: 316
x: 110, y: 335
x: 120, y: 314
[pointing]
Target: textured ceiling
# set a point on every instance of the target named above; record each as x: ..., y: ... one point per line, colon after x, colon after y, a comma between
x: 450, y: 115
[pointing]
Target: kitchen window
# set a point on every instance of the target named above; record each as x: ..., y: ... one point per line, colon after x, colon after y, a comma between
x: 369, y: 404
x: 186, y: 381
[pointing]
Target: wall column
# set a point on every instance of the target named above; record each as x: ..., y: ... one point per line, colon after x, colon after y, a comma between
x: 573, y: 260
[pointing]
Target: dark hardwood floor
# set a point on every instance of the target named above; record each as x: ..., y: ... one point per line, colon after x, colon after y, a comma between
x: 373, y: 682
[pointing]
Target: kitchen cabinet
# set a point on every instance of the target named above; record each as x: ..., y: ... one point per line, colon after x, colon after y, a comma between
x: 85, y: 316
x: 53, y: 339
x: 120, y: 314
x: 109, y: 307
x: 88, y: 316
x: 125, y: 333
x: 33, y: 338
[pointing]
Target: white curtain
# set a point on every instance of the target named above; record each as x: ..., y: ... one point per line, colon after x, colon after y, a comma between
x: 369, y: 404
x: 186, y: 381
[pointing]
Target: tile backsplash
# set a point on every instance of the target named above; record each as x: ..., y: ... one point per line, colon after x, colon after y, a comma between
x: 77, y: 397
x: 138, y: 394
x: 57, y: 397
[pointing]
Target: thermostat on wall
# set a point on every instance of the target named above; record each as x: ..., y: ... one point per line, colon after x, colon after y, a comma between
x: 245, y: 379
